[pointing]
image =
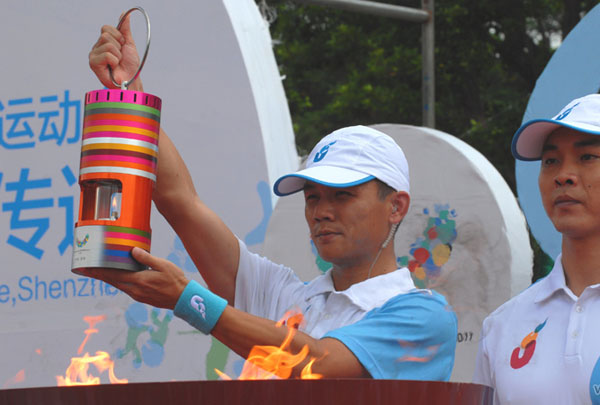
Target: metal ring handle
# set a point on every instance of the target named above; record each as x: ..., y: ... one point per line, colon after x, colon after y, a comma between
x: 126, y: 83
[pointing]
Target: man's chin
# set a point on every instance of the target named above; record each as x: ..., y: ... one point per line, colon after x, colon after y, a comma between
x: 328, y: 255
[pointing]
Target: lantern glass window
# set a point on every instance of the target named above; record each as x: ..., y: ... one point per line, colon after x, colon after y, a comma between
x: 101, y: 199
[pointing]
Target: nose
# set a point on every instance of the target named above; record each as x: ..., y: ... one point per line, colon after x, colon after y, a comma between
x: 322, y: 210
x: 565, y: 178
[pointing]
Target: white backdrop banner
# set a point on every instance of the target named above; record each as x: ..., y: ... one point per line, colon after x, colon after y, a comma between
x: 225, y: 109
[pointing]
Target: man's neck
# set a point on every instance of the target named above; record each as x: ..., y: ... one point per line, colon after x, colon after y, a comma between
x: 581, y: 262
x: 346, y: 276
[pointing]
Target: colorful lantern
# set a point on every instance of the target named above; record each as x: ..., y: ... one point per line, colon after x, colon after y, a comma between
x: 117, y: 173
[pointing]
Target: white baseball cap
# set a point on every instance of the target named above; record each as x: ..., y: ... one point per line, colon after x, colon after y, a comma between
x: 581, y: 114
x: 349, y: 157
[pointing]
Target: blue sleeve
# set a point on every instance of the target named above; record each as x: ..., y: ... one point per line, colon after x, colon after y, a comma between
x: 411, y: 337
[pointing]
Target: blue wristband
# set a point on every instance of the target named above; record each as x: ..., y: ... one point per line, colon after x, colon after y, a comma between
x: 199, y: 307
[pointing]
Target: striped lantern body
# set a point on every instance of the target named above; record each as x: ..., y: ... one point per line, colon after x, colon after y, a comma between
x: 117, y: 173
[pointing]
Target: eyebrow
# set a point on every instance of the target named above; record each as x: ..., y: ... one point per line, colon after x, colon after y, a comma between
x: 308, y: 186
x: 587, y: 142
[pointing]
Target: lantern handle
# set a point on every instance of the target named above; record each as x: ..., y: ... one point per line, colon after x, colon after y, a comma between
x: 126, y: 83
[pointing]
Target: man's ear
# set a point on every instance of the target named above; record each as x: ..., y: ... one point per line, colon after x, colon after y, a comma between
x: 400, y: 203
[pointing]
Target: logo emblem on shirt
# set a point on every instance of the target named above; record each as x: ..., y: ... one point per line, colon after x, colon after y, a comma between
x: 527, y: 347
x: 595, y: 384
x: 198, y: 304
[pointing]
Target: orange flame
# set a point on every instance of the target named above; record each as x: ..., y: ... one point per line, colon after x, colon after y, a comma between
x: 92, y: 321
x: 19, y: 377
x: 77, y: 372
x: 271, y: 362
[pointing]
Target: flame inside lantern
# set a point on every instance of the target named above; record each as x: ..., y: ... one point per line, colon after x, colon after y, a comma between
x: 271, y: 362
x: 78, y: 371
x: 115, y: 206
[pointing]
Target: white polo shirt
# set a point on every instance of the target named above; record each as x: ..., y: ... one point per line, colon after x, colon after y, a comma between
x: 543, y: 346
x: 395, y: 330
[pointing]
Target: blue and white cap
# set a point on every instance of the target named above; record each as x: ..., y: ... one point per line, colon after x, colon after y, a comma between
x: 582, y: 114
x: 349, y: 157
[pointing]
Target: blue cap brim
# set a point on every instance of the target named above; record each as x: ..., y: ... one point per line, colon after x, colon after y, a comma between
x: 292, y: 183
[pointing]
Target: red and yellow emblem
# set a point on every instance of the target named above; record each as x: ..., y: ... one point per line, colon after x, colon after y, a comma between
x: 524, y: 352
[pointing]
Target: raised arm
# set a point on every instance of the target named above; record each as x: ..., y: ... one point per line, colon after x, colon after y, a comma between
x: 209, y: 242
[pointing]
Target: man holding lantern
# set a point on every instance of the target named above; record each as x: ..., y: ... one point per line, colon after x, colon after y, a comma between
x: 363, y: 318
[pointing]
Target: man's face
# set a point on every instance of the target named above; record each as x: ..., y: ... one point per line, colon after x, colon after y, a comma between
x: 347, y: 225
x: 569, y: 182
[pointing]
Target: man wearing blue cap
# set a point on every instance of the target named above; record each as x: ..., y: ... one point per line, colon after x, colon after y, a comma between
x: 363, y: 318
x: 542, y: 345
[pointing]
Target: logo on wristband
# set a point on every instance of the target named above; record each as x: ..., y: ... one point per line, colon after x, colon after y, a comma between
x: 198, y: 304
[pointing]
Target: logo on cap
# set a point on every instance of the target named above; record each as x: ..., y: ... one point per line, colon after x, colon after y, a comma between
x: 321, y: 154
x: 564, y: 114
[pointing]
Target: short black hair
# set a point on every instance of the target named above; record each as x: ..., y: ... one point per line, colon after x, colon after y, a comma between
x: 383, y: 190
